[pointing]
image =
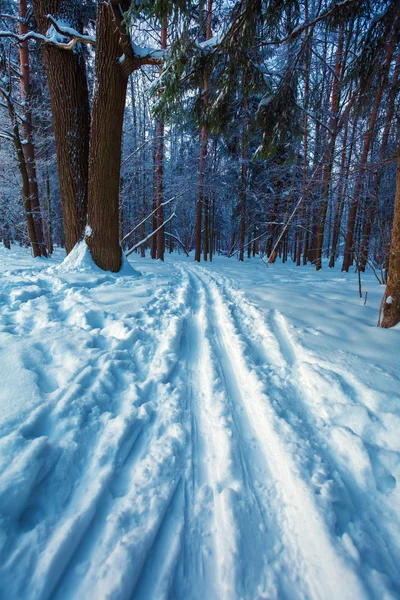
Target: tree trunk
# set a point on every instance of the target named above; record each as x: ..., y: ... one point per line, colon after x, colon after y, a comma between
x: 27, y: 129
x: 333, y: 126
x: 26, y: 197
x: 305, y: 141
x: 66, y: 75
x: 243, y: 187
x: 203, y: 151
x: 105, y: 144
x: 391, y: 309
x: 348, y: 252
x: 158, y: 174
x: 382, y: 153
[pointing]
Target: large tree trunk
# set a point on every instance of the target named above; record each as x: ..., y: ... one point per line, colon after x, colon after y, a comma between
x: 66, y: 74
x: 391, y: 310
x: 105, y: 144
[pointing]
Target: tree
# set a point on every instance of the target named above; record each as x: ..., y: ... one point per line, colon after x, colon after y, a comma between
x: 66, y: 75
x: 115, y: 61
x: 27, y: 128
x: 391, y: 309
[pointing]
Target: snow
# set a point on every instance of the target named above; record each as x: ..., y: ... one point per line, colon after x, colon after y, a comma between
x: 176, y: 430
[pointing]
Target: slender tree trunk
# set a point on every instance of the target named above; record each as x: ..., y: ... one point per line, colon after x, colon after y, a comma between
x: 26, y: 197
x: 159, y: 238
x: 48, y: 202
x: 203, y: 151
x: 333, y: 122
x: 305, y: 141
x: 6, y: 236
x: 66, y: 75
x: 27, y: 129
x: 243, y: 178
x: 382, y: 153
x: 342, y: 188
x: 348, y: 252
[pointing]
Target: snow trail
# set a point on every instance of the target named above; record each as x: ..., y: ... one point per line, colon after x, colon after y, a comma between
x: 184, y: 449
x: 339, y: 484
x: 315, y: 562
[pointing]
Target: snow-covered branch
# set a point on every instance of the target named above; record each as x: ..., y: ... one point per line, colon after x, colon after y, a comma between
x: 148, y: 237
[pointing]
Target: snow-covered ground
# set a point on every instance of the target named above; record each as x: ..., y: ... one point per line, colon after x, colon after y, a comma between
x: 196, y: 432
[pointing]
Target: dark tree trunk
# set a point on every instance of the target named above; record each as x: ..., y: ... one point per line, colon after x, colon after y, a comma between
x: 27, y: 129
x: 159, y: 238
x: 105, y: 144
x: 391, y: 309
x: 243, y: 186
x: 26, y: 197
x: 203, y: 152
x: 66, y: 75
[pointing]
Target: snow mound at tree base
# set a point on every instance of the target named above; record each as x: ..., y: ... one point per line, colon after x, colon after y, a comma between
x: 80, y: 260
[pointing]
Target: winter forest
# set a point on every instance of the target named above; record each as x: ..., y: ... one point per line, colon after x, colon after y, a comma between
x: 199, y: 299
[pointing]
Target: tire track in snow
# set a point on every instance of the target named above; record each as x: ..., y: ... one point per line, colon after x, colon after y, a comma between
x: 318, y: 564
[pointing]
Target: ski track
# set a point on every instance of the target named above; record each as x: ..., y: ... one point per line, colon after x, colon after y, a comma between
x: 294, y: 383
x: 180, y: 472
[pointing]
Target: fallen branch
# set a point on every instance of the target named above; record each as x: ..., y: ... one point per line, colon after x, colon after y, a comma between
x: 147, y: 238
x: 175, y: 237
x: 146, y: 218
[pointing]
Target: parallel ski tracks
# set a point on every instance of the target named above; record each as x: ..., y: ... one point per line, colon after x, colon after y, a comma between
x: 287, y: 371
x: 216, y: 452
x: 286, y: 505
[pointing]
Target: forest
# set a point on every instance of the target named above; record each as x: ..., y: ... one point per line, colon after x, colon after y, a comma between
x: 199, y: 234
x: 243, y: 129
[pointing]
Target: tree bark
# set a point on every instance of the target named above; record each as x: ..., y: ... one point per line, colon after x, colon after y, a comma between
x: 27, y: 129
x: 391, y: 309
x: 105, y: 144
x: 66, y: 75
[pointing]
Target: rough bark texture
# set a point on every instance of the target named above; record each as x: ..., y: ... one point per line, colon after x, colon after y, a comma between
x: 66, y: 75
x: 105, y: 144
x: 391, y: 310
x: 27, y: 130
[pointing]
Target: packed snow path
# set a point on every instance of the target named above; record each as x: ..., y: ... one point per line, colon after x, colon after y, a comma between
x: 186, y: 446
